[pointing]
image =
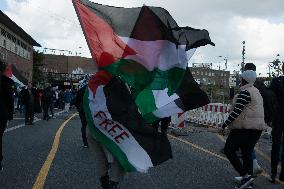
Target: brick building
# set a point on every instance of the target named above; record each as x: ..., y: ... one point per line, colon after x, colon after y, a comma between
x: 207, y: 76
x: 66, y: 70
x: 68, y: 64
x: 214, y: 82
x: 16, y: 47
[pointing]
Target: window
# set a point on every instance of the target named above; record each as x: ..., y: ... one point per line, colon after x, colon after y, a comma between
x: 201, y: 73
x: 4, y: 43
x: 3, y: 32
x: 9, y: 36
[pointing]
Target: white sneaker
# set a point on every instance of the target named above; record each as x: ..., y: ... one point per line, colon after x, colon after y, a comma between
x: 238, y: 179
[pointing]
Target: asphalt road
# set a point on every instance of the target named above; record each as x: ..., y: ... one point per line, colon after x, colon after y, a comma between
x: 197, y: 162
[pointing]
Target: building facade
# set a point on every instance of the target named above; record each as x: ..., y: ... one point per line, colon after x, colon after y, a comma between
x: 214, y: 82
x: 16, y: 47
x: 68, y: 64
x: 233, y: 80
x: 207, y: 76
x: 66, y: 70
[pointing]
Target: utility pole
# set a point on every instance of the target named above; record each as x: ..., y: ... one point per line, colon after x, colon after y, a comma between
x: 243, y: 56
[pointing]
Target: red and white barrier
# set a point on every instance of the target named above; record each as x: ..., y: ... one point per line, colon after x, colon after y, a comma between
x: 213, y: 114
x: 180, y: 121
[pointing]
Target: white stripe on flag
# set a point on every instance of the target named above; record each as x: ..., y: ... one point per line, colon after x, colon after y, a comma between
x: 136, y: 155
x: 161, y: 54
x: 162, y: 98
x: 167, y: 110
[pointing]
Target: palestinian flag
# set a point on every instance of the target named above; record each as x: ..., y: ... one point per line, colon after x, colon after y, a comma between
x: 114, y: 120
x: 147, y: 49
x: 143, y: 55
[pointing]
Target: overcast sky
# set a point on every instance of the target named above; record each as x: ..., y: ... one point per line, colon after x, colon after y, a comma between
x: 260, y: 23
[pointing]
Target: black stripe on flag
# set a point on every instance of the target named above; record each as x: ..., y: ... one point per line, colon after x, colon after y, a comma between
x: 148, y: 24
x: 123, y: 109
x: 191, y: 96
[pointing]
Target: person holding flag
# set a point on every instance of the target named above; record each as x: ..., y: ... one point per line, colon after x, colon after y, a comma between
x: 142, y: 57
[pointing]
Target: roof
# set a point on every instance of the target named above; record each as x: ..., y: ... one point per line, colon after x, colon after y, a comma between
x: 5, y: 20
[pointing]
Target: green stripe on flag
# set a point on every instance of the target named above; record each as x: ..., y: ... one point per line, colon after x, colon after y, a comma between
x: 145, y: 97
x: 139, y: 78
x: 104, y: 140
x: 150, y: 117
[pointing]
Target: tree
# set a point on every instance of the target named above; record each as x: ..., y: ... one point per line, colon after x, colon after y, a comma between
x: 38, y: 75
x: 275, y: 68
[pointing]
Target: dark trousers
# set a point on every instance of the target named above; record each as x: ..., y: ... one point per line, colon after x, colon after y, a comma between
x: 51, y: 107
x: 29, y: 114
x: 244, y: 139
x: 45, y: 114
x: 277, y: 140
x: 3, y: 125
x: 164, y: 124
x: 84, y: 126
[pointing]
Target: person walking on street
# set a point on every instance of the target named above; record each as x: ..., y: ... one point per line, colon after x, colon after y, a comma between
x: 107, y: 167
x: 46, y: 101
x: 80, y: 108
x: 277, y: 86
x: 28, y: 98
x: 164, y: 123
x: 53, y: 100
x: 246, y: 122
x: 67, y: 99
x: 6, y: 106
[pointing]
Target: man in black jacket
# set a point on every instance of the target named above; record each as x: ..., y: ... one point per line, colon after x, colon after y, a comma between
x: 28, y: 98
x: 277, y: 86
x: 6, y: 107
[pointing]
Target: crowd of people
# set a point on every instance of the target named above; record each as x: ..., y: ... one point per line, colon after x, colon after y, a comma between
x: 253, y: 109
x: 30, y: 100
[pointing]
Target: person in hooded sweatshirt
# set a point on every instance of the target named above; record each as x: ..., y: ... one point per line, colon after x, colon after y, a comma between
x: 246, y: 122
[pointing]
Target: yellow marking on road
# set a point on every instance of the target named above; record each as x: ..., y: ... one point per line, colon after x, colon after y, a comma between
x: 40, y: 181
x: 199, y: 148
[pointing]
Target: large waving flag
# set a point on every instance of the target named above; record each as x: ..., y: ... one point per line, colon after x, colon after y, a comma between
x: 144, y: 49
